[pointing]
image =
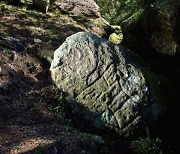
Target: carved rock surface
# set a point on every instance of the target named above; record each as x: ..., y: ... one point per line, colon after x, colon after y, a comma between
x: 108, y: 83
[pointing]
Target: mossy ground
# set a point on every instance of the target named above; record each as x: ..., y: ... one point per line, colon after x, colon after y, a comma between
x: 32, y: 118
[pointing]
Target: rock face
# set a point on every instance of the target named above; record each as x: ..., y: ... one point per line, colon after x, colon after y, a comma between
x: 41, y: 5
x: 107, y: 82
x: 85, y: 7
x: 145, y: 24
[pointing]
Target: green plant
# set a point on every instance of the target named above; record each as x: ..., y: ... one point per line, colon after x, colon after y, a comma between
x: 8, y: 53
x: 59, y: 106
x: 147, y: 145
x: 116, y: 11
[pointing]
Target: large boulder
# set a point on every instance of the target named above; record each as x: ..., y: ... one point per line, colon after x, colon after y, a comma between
x: 79, y: 7
x: 108, y: 83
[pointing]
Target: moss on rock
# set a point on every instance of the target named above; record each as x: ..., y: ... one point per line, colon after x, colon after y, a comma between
x: 107, y: 82
x: 116, y: 39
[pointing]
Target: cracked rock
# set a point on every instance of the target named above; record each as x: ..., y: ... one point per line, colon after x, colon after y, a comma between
x: 108, y: 84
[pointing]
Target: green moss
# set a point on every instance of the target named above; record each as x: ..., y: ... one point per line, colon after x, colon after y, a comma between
x: 8, y: 53
x: 117, y: 11
x: 117, y: 29
x: 100, y: 22
x: 115, y: 38
x: 134, y: 17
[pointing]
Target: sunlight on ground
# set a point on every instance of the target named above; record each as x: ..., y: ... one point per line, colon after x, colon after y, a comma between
x: 31, y: 144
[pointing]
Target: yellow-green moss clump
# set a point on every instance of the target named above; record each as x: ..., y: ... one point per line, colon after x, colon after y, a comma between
x: 117, y: 36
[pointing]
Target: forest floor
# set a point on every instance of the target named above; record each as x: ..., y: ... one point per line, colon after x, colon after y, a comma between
x: 31, y: 120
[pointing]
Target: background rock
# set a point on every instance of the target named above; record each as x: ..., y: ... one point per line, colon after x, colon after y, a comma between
x: 79, y: 7
x: 107, y: 82
x: 146, y: 24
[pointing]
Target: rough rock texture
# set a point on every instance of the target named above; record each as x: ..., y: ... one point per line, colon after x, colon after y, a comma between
x: 85, y: 7
x: 41, y: 5
x: 146, y: 24
x: 156, y: 35
x: 106, y: 81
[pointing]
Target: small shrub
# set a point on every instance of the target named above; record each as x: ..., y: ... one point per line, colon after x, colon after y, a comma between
x: 8, y: 53
x: 147, y: 145
x: 59, y: 106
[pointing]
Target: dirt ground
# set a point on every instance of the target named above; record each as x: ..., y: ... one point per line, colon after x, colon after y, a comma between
x: 28, y: 120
